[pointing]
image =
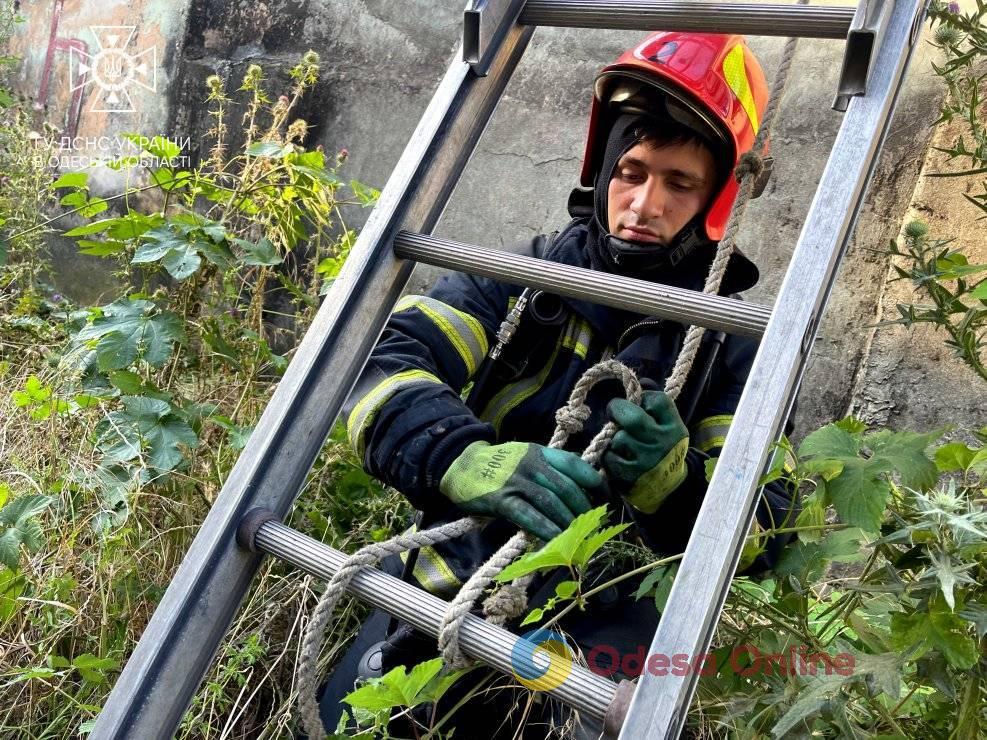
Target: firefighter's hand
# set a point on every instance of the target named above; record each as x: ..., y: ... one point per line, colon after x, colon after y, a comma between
x: 648, y: 451
x: 540, y: 489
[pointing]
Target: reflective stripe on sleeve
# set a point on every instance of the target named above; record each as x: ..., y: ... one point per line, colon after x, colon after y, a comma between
x: 711, y: 432
x: 463, y: 331
x: 368, y: 406
x: 432, y: 571
x: 577, y: 336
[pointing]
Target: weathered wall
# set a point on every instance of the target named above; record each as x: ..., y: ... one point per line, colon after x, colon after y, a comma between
x: 62, y: 69
x: 909, y: 378
x: 382, y: 61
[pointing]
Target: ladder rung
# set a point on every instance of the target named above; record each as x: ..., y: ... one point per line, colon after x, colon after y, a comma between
x: 616, y: 291
x: 494, y: 645
x: 756, y: 19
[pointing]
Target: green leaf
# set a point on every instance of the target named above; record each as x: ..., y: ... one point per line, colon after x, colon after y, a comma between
x: 72, y: 180
x: 260, y: 253
x: 367, y: 195
x: 93, y: 207
x: 101, y: 249
x: 939, y: 628
x: 905, y: 454
x: 181, y: 263
x: 150, y: 425
x: 75, y: 199
x: 954, y: 456
x: 95, y: 227
x: 22, y: 527
x: 418, y: 678
x: 813, y: 514
x: 976, y: 613
x: 663, y: 584
x: 534, y: 616
x: 93, y: 669
x: 830, y: 442
x: 12, y: 585
x: 860, y: 493
x: 271, y: 149
x: 573, y: 546
x: 566, y: 589
x: 128, y: 331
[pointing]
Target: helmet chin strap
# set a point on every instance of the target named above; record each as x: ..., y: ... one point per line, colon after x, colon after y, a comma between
x: 634, y: 257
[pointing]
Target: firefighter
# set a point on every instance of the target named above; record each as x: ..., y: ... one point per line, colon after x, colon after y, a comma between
x: 458, y: 432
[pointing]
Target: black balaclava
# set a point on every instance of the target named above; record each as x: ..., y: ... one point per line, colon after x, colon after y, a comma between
x: 623, y: 256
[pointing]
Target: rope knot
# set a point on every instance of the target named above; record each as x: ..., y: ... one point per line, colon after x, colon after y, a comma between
x: 571, y: 419
x: 750, y: 165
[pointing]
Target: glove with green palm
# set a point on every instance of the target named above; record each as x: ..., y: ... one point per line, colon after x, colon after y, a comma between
x: 540, y: 489
x: 648, y: 453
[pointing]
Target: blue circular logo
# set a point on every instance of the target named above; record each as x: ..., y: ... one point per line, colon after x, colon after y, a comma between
x: 541, y: 660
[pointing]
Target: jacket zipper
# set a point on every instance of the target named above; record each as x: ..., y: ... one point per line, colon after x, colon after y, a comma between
x: 632, y: 327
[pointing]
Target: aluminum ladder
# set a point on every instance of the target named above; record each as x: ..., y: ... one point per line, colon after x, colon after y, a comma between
x: 178, y: 645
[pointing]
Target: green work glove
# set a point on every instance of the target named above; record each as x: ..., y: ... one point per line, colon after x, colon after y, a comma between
x: 540, y: 489
x: 648, y: 452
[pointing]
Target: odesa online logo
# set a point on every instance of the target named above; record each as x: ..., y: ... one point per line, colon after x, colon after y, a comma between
x: 541, y: 660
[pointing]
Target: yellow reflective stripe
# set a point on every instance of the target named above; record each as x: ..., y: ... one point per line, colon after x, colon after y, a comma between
x: 432, y: 572
x: 577, y: 337
x: 719, y: 420
x: 516, y: 393
x: 735, y: 72
x: 711, y: 432
x: 710, y: 443
x: 364, y: 411
x: 463, y: 331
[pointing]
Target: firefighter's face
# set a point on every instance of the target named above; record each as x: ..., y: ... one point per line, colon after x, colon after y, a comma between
x: 654, y: 192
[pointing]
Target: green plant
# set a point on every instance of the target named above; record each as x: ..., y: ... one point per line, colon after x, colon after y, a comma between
x: 957, y: 289
x: 127, y: 417
x: 962, y: 39
x: 869, y: 630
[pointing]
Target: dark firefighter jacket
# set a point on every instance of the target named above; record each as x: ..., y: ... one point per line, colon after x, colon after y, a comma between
x: 408, y: 421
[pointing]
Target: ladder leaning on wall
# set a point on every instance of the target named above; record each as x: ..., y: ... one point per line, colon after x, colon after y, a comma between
x: 178, y: 645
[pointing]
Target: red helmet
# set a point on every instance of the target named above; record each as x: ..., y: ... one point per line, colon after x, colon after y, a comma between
x: 711, y: 83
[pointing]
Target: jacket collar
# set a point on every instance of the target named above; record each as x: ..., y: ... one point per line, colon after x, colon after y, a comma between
x: 572, y: 247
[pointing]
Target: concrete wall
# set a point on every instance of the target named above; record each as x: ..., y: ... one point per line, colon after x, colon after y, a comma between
x: 382, y: 61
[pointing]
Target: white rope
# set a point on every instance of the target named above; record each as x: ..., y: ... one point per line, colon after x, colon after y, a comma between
x: 747, y: 171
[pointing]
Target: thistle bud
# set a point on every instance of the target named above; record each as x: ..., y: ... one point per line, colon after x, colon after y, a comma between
x: 916, y: 229
x: 948, y: 36
x: 297, y: 130
x: 214, y: 83
x: 253, y: 75
x: 311, y: 58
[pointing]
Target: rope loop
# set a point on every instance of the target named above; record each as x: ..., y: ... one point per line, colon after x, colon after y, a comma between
x: 751, y: 165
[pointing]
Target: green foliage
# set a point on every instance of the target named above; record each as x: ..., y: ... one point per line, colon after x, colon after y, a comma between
x: 899, y: 597
x: 130, y: 331
x: 19, y: 526
x: 375, y: 701
x: 962, y: 39
x: 851, y: 469
x: 573, y: 549
x: 957, y: 289
x: 128, y: 416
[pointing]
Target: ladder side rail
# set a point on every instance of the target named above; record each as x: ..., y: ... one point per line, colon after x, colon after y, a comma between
x: 577, y: 686
x: 177, y: 647
x: 660, y: 704
x: 630, y: 294
x: 755, y: 19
